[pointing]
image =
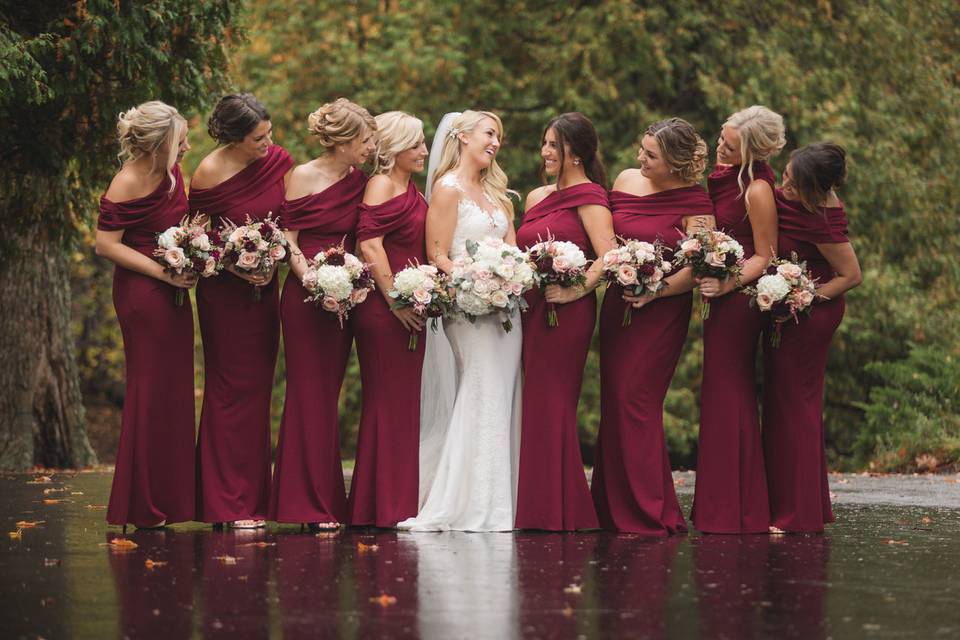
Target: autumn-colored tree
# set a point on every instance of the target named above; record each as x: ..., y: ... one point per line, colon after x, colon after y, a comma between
x: 66, y: 70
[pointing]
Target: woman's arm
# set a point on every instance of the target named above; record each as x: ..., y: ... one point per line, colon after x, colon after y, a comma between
x: 598, y: 224
x: 762, y: 211
x: 843, y: 260
x: 109, y: 245
x: 441, y: 223
x: 298, y: 261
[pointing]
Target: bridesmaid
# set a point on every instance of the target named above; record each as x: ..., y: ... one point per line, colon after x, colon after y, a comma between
x: 390, y: 232
x: 320, y: 211
x: 813, y: 224
x: 632, y: 484
x: 731, y: 490
x: 553, y: 492
x: 243, y: 177
x: 153, y: 483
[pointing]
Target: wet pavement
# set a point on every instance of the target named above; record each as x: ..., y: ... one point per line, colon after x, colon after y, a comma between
x: 887, y: 569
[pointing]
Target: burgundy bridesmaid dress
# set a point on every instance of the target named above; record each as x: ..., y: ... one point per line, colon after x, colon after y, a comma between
x: 240, y: 341
x: 307, y: 476
x: 731, y: 490
x: 632, y: 484
x: 552, y: 490
x: 793, y: 379
x: 384, y: 489
x: 154, y: 476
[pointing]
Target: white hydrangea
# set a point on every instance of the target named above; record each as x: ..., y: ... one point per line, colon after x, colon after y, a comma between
x: 408, y: 280
x: 471, y: 304
x: 334, y: 281
x: 775, y: 286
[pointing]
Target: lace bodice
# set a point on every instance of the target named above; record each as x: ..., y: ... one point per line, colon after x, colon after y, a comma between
x: 473, y: 222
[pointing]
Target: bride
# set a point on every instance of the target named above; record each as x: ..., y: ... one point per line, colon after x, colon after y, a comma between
x: 470, y: 393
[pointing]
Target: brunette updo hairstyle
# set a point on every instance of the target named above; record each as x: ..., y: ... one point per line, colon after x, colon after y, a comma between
x: 148, y: 130
x: 575, y: 130
x: 683, y: 149
x: 235, y: 116
x: 815, y: 170
x: 339, y: 122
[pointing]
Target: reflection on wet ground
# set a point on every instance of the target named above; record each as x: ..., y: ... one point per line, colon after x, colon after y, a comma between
x: 882, y: 571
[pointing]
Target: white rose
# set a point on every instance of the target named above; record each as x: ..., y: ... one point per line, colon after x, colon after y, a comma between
x: 774, y: 286
x: 691, y: 245
x: 248, y: 261
x: 499, y: 299
x: 505, y: 270
x: 171, y: 238
x: 201, y: 242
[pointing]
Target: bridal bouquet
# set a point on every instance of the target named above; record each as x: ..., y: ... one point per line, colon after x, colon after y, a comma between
x: 557, y: 262
x: 424, y: 288
x: 189, y: 248
x: 711, y: 254
x: 493, y: 276
x: 255, y: 247
x: 786, y: 290
x: 337, y: 281
x: 638, y: 267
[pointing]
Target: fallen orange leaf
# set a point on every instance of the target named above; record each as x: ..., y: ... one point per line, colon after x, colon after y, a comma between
x: 51, y: 501
x: 16, y: 535
x: 151, y: 564
x: 364, y: 548
x: 41, y: 480
x: 926, y: 520
x: 384, y: 600
x: 51, y: 562
x: 47, y: 492
x: 25, y: 524
x: 903, y: 542
x: 568, y: 611
x: 124, y: 544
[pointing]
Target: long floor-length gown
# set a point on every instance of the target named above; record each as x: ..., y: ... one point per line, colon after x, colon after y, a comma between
x: 552, y: 492
x: 731, y: 489
x: 793, y: 375
x: 384, y: 486
x: 241, y: 337
x: 632, y: 482
x: 153, y: 480
x: 308, y: 476
x: 468, y: 462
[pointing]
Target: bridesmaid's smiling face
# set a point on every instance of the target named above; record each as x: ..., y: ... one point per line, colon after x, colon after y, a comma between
x: 256, y: 143
x: 482, y: 143
x: 183, y: 145
x: 728, y: 146
x: 652, y: 165
x: 358, y: 150
x: 553, y: 157
x: 413, y: 159
x: 787, y: 184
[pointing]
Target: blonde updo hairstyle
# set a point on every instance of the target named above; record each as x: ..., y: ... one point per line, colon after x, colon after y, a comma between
x: 339, y: 122
x: 397, y: 132
x: 493, y: 180
x: 152, y: 129
x: 762, y: 136
x: 683, y: 149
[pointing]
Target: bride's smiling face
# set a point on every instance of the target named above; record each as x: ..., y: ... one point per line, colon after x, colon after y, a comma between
x: 482, y: 143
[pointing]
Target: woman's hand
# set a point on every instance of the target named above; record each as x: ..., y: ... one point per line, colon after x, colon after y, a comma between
x: 555, y: 294
x: 257, y: 279
x: 182, y: 280
x: 715, y: 288
x: 410, y: 319
x: 639, y: 301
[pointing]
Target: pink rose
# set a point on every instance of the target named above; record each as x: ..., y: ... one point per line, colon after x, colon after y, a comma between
x: 422, y: 296
x: 805, y: 298
x: 499, y: 299
x: 248, y: 261
x: 330, y: 303
x: 691, y: 245
x: 516, y: 288
x: 656, y: 276
x: 626, y: 275
x: 309, y: 280
x: 358, y: 296
x: 611, y: 258
x: 714, y: 259
x: 209, y: 268
x: 764, y: 301
x: 560, y: 263
x: 277, y: 252
x: 175, y: 258
x: 789, y: 271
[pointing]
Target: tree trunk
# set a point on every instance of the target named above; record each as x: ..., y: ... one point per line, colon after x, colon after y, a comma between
x: 41, y: 408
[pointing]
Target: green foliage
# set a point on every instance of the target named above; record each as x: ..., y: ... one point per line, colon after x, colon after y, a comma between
x: 913, y: 415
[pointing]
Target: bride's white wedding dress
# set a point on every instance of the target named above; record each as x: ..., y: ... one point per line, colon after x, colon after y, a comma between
x: 470, y: 406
